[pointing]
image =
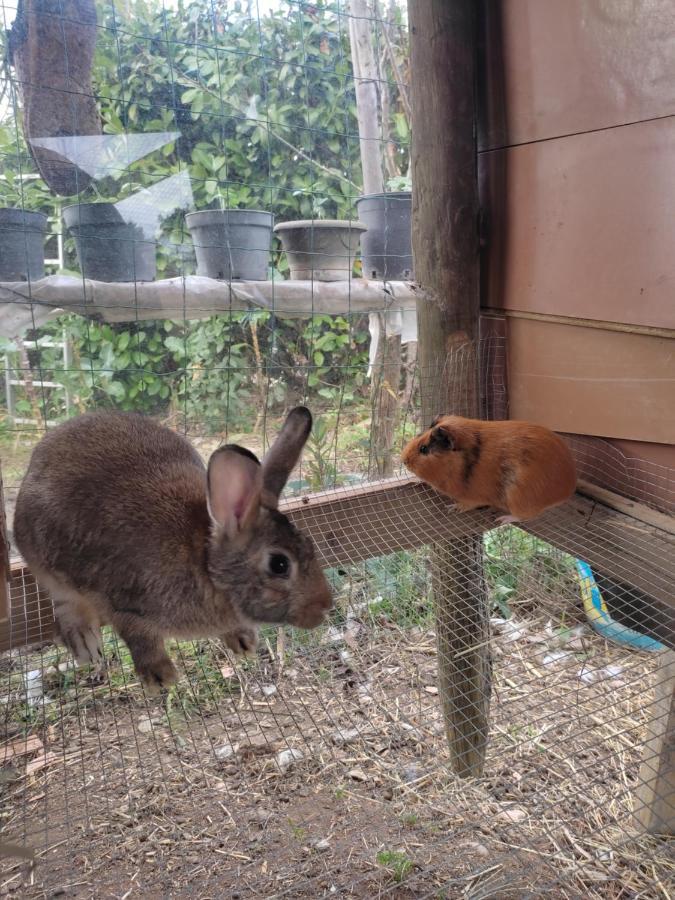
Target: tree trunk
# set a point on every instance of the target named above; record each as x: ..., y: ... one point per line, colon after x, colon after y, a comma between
x: 386, y: 377
x: 387, y: 369
x: 364, y: 65
x: 443, y: 38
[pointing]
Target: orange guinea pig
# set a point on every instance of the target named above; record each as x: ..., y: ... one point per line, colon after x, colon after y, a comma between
x: 514, y: 466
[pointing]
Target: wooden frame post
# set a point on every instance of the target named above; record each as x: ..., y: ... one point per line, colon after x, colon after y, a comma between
x: 443, y: 48
x: 655, y: 800
x: 4, y: 561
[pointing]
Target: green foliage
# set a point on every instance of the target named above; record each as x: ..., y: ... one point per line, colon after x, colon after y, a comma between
x: 514, y: 558
x: 400, y: 589
x: 398, y: 864
x: 207, y: 369
x: 213, y: 378
x: 320, y: 465
x: 265, y: 110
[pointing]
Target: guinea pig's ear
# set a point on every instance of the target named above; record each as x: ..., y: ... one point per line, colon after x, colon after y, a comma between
x: 441, y: 439
x: 435, y: 421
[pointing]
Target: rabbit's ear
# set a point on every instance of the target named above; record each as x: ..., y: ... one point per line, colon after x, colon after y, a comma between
x: 284, y: 453
x: 234, y: 482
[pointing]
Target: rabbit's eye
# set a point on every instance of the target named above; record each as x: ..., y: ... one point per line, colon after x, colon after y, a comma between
x: 424, y: 449
x: 278, y: 564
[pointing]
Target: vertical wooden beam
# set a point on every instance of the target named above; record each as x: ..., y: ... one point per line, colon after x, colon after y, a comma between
x: 655, y: 800
x: 4, y: 560
x: 443, y: 47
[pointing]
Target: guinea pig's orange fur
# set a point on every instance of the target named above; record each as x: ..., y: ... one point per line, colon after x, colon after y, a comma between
x: 513, y: 466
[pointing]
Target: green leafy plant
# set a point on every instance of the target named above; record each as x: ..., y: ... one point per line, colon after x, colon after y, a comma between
x: 320, y: 467
x: 399, y: 588
x: 398, y: 864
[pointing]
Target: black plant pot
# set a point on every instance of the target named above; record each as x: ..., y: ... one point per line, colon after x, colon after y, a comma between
x: 386, y: 248
x: 232, y: 244
x: 22, y: 245
x: 108, y: 248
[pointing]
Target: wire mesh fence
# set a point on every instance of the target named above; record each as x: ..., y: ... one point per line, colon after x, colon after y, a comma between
x: 327, y: 763
x: 322, y: 765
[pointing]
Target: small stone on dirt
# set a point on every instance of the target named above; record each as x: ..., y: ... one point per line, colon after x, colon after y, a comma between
x: 286, y: 758
x: 357, y: 775
x: 478, y: 849
x: 321, y: 845
x: 411, y: 773
x: 225, y: 752
x: 555, y: 657
x: 513, y: 814
x: 345, y: 736
x: 269, y: 690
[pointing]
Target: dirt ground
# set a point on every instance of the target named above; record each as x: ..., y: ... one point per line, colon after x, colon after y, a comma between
x: 321, y: 769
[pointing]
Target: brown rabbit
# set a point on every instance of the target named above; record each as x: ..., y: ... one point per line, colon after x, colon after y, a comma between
x: 121, y: 522
x: 515, y: 466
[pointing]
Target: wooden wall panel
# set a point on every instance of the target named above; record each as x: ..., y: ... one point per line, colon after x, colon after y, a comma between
x: 591, y: 381
x: 561, y: 67
x: 584, y: 226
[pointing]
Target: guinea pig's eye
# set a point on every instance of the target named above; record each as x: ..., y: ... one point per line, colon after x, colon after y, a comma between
x: 279, y: 565
x: 424, y: 449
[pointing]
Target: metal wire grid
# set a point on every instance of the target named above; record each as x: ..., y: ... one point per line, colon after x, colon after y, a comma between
x: 355, y: 709
x: 96, y: 773
x: 359, y: 714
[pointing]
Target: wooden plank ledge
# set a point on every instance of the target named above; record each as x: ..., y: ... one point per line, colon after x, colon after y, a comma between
x: 639, y: 511
x: 27, y: 304
x: 349, y: 525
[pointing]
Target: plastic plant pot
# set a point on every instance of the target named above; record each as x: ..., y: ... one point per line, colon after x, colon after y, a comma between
x: 321, y: 249
x: 232, y: 244
x: 22, y: 245
x: 108, y: 248
x: 386, y: 249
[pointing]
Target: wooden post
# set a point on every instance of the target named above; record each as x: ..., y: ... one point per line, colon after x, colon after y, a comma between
x: 655, y: 800
x: 4, y: 560
x: 443, y: 39
x: 387, y: 366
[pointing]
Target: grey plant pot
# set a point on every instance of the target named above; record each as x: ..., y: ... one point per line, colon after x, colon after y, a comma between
x: 108, y: 248
x: 22, y: 245
x: 386, y: 249
x: 321, y: 249
x: 232, y: 244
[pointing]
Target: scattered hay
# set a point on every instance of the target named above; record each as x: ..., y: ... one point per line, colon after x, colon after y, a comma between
x: 336, y: 780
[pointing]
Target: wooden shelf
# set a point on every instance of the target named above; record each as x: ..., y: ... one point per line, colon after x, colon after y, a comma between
x: 28, y: 304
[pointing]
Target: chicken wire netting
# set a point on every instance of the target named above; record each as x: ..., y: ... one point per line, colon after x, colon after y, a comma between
x: 322, y: 765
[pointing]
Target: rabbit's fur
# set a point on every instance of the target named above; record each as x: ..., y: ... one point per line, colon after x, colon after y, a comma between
x: 121, y: 522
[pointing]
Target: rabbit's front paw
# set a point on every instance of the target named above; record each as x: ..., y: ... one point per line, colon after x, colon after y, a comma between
x: 83, y: 641
x: 241, y: 640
